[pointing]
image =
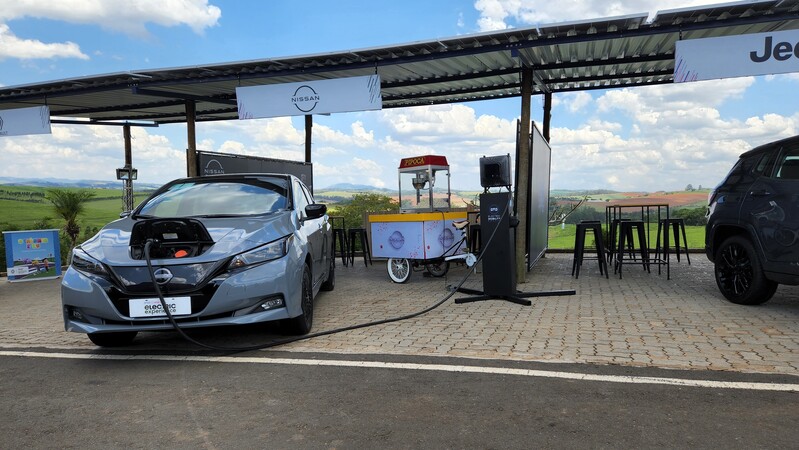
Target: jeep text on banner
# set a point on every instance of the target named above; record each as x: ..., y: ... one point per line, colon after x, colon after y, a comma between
x: 310, y: 97
x: 737, y: 56
x: 20, y: 121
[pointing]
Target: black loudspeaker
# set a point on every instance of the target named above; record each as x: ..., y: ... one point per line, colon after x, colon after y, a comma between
x: 495, y: 171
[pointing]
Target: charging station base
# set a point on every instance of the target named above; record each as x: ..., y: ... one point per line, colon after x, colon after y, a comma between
x: 518, y: 297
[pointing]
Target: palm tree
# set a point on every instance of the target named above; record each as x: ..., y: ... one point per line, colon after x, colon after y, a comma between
x: 69, y: 205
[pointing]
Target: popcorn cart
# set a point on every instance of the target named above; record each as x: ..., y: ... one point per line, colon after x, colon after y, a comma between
x: 426, y: 233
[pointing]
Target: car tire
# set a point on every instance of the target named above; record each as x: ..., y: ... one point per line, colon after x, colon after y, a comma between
x: 303, y: 323
x: 739, y: 274
x: 399, y: 269
x: 119, y: 339
x: 437, y: 269
x: 330, y: 283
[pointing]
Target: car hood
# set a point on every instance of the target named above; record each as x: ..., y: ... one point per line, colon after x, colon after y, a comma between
x: 230, y: 235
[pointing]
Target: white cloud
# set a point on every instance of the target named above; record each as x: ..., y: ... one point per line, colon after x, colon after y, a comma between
x: 502, y: 14
x: 130, y: 17
x: 12, y: 46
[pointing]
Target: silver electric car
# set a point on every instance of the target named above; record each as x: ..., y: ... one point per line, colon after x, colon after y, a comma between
x: 224, y: 250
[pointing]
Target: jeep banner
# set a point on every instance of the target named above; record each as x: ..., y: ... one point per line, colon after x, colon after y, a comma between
x: 737, y: 56
x: 21, y: 121
x: 310, y: 97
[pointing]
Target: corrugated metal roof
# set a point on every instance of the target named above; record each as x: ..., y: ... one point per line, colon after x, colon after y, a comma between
x: 594, y: 54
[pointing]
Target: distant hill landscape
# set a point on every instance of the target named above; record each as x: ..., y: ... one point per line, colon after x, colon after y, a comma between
x: 344, y: 191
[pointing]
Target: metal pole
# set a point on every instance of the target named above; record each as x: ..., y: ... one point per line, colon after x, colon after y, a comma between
x: 127, y: 195
x: 523, y: 170
x: 308, y: 134
x: 547, y: 114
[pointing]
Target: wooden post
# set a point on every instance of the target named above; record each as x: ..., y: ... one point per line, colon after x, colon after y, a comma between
x: 191, y: 139
x: 523, y: 168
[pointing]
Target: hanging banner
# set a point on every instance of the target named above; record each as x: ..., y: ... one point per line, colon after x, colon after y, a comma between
x: 310, y: 97
x: 32, y: 255
x: 17, y: 122
x: 737, y: 56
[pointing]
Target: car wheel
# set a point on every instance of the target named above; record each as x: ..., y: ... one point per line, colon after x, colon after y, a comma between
x: 112, y: 339
x: 739, y: 274
x: 399, y: 269
x: 437, y: 269
x: 330, y: 282
x: 302, y: 324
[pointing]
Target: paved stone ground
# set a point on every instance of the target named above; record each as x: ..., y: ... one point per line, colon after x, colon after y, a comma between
x: 641, y: 320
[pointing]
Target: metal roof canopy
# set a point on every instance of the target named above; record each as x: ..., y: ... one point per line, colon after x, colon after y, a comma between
x: 586, y: 55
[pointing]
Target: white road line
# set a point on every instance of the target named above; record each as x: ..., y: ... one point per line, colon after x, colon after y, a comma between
x: 783, y: 387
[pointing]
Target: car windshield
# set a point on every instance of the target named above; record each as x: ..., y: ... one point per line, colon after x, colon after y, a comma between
x: 251, y: 196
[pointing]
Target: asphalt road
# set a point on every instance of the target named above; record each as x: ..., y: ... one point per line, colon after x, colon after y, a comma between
x: 116, y: 400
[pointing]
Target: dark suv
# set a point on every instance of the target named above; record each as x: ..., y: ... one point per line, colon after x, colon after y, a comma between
x: 752, y: 232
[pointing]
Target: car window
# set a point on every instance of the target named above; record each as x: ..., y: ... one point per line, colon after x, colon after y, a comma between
x: 300, y: 199
x: 218, y: 198
x: 788, y: 166
x: 741, y: 168
x: 766, y: 164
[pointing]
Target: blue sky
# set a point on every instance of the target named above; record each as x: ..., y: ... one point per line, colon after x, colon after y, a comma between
x: 640, y: 139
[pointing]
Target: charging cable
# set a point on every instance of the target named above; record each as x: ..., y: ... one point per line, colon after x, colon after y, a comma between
x: 279, y: 342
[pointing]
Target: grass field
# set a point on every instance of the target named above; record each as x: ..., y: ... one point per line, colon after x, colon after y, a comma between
x: 21, y: 207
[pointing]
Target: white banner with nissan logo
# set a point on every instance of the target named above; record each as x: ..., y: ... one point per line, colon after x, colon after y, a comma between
x: 17, y: 122
x: 310, y: 97
x: 737, y: 56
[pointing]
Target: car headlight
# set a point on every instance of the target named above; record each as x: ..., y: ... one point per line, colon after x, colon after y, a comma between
x: 268, y: 252
x: 82, y: 262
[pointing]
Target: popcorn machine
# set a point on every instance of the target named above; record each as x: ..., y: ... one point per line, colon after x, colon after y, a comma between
x: 422, y: 235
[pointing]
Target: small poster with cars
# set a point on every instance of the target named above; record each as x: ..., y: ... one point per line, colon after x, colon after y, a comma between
x: 32, y: 255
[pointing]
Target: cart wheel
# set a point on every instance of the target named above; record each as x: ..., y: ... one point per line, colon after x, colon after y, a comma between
x: 437, y: 269
x: 399, y: 269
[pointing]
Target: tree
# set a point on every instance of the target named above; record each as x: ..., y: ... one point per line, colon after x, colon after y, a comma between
x: 559, y: 211
x: 690, y: 187
x: 354, y: 210
x: 69, y: 205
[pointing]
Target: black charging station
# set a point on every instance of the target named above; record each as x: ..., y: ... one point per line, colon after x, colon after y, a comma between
x: 498, y: 235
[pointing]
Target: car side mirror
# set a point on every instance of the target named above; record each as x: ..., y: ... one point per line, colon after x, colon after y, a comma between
x: 315, y: 211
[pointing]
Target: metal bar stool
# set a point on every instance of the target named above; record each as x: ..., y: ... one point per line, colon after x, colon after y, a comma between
x: 676, y: 225
x: 579, y: 247
x: 340, y: 236
x: 614, y: 238
x: 359, y: 235
x: 626, y: 228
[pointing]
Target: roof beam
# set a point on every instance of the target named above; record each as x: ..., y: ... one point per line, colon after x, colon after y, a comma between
x: 197, y: 98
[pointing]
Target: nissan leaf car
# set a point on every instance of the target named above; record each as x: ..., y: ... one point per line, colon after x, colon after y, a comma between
x: 223, y: 250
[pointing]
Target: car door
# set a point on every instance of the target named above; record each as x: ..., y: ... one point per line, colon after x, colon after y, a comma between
x: 774, y: 208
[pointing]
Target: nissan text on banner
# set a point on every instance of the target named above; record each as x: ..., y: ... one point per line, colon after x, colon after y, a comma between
x: 21, y: 121
x: 737, y: 56
x: 310, y: 97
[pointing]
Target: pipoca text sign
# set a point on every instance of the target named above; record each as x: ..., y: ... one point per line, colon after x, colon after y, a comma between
x: 310, y: 97
x: 737, y: 56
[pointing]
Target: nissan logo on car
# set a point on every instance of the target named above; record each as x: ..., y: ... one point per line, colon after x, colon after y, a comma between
x: 162, y: 276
